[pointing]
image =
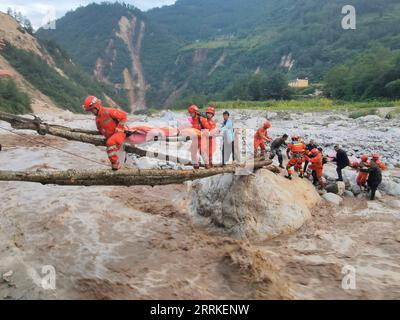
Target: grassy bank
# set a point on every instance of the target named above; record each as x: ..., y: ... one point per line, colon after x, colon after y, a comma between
x: 306, y: 105
x: 309, y: 105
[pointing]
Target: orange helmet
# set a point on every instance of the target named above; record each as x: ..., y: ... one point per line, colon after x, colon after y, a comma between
x: 376, y: 156
x: 211, y: 110
x: 315, y: 152
x: 193, y: 109
x: 364, y: 157
x: 267, y: 125
x: 296, y: 137
x: 91, y: 102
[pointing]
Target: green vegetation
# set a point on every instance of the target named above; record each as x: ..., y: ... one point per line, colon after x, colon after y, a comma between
x: 204, y: 48
x: 260, y: 87
x: 372, y: 74
x: 68, y: 90
x: 363, y: 113
x: 394, y: 114
x: 13, y: 100
x: 301, y: 105
x: 63, y: 62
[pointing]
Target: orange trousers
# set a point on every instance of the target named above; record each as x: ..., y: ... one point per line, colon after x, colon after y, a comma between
x: 114, y: 145
x: 297, y: 163
x: 362, y: 178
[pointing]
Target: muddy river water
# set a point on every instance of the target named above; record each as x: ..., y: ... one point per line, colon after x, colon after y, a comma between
x: 140, y: 243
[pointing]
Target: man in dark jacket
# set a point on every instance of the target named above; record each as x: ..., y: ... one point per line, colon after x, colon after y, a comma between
x: 312, y: 145
x: 276, y: 149
x: 342, y: 161
x: 374, y: 178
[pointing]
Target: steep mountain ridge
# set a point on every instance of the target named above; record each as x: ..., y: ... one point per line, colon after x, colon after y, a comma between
x: 46, y: 73
x: 201, y: 48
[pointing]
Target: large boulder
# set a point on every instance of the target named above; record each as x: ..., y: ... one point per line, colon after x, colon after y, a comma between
x: 337, y: 188
x: 350, y: 177
x: 330, y: 172
x: 356, y: 190
x: 262, y: 205
x: 390, y: 187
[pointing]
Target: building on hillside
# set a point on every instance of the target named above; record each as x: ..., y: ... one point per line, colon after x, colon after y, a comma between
x: 299, y: 83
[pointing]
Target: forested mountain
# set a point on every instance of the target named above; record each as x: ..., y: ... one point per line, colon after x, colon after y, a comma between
x: 41, y: 74
x: 204, y: 47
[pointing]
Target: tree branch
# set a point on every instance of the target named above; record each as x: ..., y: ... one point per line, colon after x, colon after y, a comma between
x: 124, y: 177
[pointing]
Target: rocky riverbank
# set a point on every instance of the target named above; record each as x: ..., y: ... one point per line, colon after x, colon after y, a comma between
x: 204, y: 240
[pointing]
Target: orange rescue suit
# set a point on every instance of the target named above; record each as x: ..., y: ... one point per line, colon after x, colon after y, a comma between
x: 201, y: 123
x: 260, y: 137
x: 112, y: 125
x: 298, y: 150
x: 363, y: 175
x: 316, y: 164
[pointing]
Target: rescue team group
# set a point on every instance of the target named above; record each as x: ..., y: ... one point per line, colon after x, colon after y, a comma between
x: 307, y: 160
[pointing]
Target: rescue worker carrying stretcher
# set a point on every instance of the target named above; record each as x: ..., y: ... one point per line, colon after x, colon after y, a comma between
x: 260, y: 137
x: 112, y: 125
x: 205, y: 144
x: 296, y: 153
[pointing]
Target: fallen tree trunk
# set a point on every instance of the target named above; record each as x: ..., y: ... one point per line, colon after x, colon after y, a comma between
x: 85, y: 136
x: 124, y: 177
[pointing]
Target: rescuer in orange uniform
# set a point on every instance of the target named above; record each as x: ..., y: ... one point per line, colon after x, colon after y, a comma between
x: 210, y: 144
x: 364, y: 170
x: 112, y: 125
x: 317, y: 165
x: 296, y: 153
x: 376, y: 160
x: 260, y: 137
x: 200, y: 123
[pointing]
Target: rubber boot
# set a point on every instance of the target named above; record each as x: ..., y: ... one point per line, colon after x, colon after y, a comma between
x: 116, y: 166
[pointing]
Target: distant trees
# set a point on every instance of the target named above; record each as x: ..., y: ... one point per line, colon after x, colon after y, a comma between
x: 259, y: 87
x: 12, y: 99
x: 68, y: 92
x: 372, y: 74
x: 21, y: 19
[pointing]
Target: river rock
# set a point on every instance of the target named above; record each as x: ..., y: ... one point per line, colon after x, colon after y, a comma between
x: 337, y: 188
x: 390, y: 187
x: 332, y: 188
x: 261, y: 205
x: 146, y: 163
x: 330, y: 172
x: 356, y: 190
x: 350, y: 177
x: 333, y: 198
x: 370, y: 118
x: 348, y: 194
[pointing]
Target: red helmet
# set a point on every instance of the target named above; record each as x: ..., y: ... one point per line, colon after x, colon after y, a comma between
x: 364, y: 157
x: 315, y: 151
x: 376, y: 156
x: 91, y: 102
x: 267, y: 125
x: 193, y: 109
x: 296, y: 137
x: 211, y: 110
